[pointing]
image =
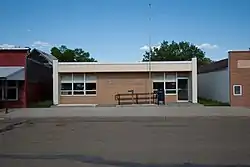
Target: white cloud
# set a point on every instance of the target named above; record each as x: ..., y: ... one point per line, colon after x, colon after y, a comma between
x: 207, y: 46
x: 6, y: 46
x: 146, y: 47
x: 40, y: 44
x: 28, y: 30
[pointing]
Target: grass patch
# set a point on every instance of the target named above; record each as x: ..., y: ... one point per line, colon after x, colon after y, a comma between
x: 42, y: 104
x: 209, y: 102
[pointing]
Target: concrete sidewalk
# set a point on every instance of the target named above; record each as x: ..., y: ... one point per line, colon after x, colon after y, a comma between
x: 162, y: 111
x: 7, y: 124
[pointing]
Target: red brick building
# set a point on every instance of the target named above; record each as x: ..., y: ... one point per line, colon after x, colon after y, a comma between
x: 227, y: 80
x: 25, y: 77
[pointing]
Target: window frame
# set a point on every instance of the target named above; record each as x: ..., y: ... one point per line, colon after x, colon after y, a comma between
x: 170, y: 89
x: 9, y: 87
x: 66, y: 91
x: 90, y: 81
x: 157, y: 81
x: 84, y: 81
x: 170, y: 80
x: 165, y: 80
x: 69, y: 82
x: 87, y: 90
x: 78, y: 82
x: 234, y: 93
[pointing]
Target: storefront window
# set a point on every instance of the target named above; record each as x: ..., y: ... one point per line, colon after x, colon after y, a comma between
x: 78, y: 84
x: 164, y: 81
x: 10, y: 91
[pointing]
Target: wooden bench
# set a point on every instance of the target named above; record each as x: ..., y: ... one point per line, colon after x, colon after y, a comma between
x: 135, y: 98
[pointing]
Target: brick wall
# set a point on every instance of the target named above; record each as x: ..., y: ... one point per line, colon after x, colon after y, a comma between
x: 239, y: 74
x: 110, y: 84
x: 20, y: 103
x: 38, y: 77
x: 13, y: 57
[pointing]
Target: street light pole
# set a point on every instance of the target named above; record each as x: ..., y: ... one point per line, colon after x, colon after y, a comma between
x: 150, y: 55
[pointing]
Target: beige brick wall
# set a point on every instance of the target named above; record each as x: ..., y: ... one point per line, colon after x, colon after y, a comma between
x: 170, y: 98
x: 110, y: 84
x: 78, y: 99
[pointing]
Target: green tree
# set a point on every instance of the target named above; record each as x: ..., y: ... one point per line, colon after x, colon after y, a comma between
x: 173, y: 51
x: 65, y: 54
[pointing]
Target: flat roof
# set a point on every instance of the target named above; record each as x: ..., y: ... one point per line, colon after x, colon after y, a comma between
x: 154, y: 66
x: 124, y: 63
x: 238, y: 51
x: 3, y: 49
x: 215, y: 66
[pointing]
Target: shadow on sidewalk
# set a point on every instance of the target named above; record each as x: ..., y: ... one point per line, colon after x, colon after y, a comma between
x: 101, y: 161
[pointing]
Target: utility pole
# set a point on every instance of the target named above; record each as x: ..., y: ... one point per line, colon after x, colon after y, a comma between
x: 150, y: 55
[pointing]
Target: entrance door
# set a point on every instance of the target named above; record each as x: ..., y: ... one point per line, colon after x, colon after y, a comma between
x: 182, y: 89
x: 159, y: 86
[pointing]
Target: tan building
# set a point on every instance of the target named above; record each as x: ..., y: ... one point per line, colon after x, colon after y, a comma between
x: 81, y: 83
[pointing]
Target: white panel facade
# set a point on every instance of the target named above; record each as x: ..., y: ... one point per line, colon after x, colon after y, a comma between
x: 214, y: 85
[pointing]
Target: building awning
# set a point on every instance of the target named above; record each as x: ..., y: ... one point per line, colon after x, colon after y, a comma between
x: 12, y: 73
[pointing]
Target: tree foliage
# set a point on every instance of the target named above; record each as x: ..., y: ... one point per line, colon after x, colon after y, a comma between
x: 65, y: 54
x: 182, y: 51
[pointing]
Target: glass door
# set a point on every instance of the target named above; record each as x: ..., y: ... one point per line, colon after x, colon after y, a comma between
x: 156, y: 87
x: 182, y: 89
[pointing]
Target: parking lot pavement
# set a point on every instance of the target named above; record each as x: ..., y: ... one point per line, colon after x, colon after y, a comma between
x: 153, y: 111
x: 174, y: 141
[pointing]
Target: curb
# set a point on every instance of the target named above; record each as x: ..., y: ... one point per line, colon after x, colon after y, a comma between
x: 120, y: 119
x: 11, y: 126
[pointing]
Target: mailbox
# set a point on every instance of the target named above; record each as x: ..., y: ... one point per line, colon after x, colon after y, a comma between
x: 160, y: 96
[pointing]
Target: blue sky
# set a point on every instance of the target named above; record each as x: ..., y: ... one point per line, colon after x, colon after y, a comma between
x: 117, y: 30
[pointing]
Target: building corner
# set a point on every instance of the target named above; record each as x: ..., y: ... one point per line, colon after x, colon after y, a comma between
x: 55, y: 82
x: 194, y: 80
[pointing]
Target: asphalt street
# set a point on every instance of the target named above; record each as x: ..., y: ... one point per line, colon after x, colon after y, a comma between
x: 197, y: 141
